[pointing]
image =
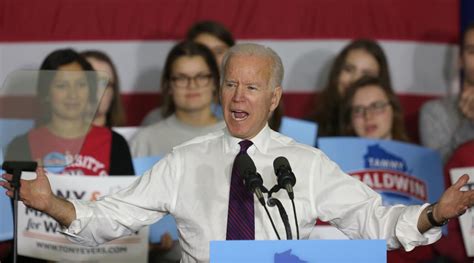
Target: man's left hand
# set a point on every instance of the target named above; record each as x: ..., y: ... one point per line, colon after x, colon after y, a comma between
x: 454, y: 202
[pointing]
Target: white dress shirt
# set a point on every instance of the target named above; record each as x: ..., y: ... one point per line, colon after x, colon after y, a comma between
x: 192, y: 183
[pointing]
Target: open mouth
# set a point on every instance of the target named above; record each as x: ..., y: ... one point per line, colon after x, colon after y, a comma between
x: 371, y: 128
x: 239, y: 115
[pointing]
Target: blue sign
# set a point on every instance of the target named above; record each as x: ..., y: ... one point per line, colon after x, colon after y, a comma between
x: 6, y: 215
x: 298, y: 251
x: 300, y: 130
x: 402, y: 173
x: 143, y: 164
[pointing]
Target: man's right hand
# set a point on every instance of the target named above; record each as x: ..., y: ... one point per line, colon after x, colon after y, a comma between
x: 38, y: 195
x: 466, y: 103
x: 35, y: 193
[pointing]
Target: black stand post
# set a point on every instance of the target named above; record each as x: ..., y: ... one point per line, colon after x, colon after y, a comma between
x: 15, y: 168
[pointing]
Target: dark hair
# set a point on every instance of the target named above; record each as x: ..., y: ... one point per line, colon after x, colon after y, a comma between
x: 345, y: 126
x: 115, y: 114
x: 213, y: 28
x: 185, y: 48
x: 328, y: 105
x: 52, y: 62
x: 468, y: 28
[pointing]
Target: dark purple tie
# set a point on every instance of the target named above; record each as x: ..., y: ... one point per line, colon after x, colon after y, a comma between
x: 240, y: 218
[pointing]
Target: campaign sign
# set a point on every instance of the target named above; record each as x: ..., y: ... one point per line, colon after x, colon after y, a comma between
x: 402, y: 173
x: 300, y: 130
x: 39, y: 236
x: 467, y: 220
x: 299, y: 251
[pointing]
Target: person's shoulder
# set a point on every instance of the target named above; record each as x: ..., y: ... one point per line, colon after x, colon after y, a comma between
x: 199, y: 141
x: 100, y: 131
x: 462, y: 156
x: 283, y: 141
x: 440, y: 105
x: 117, y: 137
x: 298, y: 153
x: 466, y: 148
x: 152, y: 117
x: 21, y: 139
x: 17, y: 148
x: 151, y: 130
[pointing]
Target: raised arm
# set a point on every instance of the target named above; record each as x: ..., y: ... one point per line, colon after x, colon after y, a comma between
x: 453, y: 203
x: 38, y: 195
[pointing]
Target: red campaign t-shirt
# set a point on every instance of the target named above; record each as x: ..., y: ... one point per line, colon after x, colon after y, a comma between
x: 83, y: 157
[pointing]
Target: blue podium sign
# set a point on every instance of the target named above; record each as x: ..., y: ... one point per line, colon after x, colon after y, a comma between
x: 296, y: 251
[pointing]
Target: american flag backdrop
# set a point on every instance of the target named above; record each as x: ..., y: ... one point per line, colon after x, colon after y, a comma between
x: 419, y: 37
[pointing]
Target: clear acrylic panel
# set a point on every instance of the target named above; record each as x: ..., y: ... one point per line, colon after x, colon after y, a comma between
x: 45, y: 115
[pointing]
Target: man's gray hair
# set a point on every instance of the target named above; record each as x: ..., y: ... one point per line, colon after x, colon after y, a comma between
x: 251, y: 49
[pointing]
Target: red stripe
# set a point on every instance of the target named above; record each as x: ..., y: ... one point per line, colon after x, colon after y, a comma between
x: 58, y: 20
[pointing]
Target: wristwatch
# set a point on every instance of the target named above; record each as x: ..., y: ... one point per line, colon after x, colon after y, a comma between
x: 429, y: 213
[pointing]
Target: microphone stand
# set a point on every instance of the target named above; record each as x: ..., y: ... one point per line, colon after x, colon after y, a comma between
x: 284, y: 216
x: 296, y: 220
x: 15, y: 168
x: 264, y: 190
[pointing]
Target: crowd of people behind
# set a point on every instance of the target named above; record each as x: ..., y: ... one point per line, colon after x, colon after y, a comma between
x: 358, y: 100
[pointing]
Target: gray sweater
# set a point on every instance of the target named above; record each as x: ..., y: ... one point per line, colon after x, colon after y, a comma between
x: 443, y: 127
x: 160, y: 138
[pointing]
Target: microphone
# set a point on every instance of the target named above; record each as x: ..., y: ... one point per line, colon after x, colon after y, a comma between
x: 285, y: 177
x: 252, y: 180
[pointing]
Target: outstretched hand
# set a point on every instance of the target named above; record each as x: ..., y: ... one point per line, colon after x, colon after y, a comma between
x: 454, y: 202
x: 36, y: 193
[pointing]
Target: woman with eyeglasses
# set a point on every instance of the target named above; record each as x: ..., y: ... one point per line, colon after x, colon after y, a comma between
x: 361, y: 57
x: 370, y: 109
x: 188, y: 87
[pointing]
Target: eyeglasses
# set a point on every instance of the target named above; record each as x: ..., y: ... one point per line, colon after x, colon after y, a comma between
x: 377, y: 107
x: 183, y: 81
